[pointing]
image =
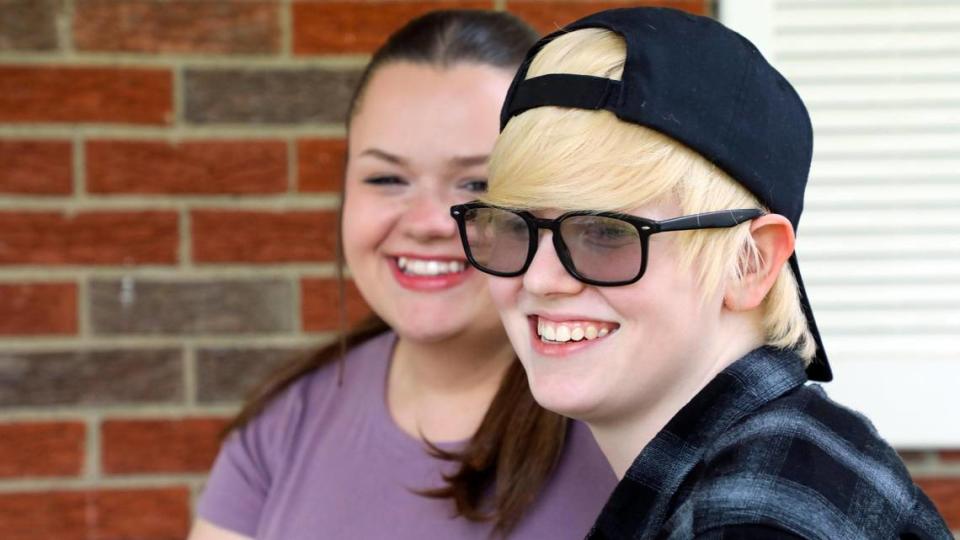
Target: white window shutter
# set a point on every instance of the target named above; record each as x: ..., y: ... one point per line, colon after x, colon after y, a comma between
x: 879, y: 241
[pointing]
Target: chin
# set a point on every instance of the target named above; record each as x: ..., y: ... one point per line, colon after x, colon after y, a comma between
x: 426, y: 333
x: 562, y: 395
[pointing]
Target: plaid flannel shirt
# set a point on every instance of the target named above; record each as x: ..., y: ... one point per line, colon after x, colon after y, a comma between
x: 759, y: 454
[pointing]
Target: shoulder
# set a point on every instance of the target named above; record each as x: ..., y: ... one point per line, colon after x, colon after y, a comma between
x: 804, y: 455
x: 322, y: 390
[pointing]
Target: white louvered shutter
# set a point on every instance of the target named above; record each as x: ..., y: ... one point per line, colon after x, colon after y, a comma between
x: 879, y: 242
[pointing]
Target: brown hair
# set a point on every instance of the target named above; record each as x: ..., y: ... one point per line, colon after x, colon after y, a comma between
x: 508, y: 460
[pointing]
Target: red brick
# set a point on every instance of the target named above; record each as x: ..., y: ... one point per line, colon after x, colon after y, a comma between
x: 950, y: 455
x: 143, y: 514
x: 321, y: 164
x: 78, y: 94
x: 184, y: 26
x: 38, y: 309
x: 41, y: 449
x: 321, y: 301
x: 221, y: 236
x: 36, y: 167
x: 209, y: 167
x: 160, y: 446
x: 88, y: 238
x: 945, y: 493
x: 337, y: 27
x: 547, y: 16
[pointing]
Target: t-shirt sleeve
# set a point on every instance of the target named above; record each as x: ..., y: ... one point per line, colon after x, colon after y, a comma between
x: 240, y: 481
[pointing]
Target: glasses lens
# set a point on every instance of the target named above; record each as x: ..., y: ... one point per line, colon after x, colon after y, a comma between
x: 498, y: 239
x: 603, y: 249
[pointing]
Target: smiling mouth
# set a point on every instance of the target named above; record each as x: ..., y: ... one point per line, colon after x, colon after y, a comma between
x: 553, y: 332
x: 430, y: 267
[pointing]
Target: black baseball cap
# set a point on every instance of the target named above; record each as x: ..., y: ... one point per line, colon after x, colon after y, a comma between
x: 706, y: 86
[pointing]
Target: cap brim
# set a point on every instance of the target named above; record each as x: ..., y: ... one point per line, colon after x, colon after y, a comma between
x: 819, y: 368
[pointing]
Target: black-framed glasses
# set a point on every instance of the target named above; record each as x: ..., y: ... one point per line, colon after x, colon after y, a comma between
x: 597, y: 248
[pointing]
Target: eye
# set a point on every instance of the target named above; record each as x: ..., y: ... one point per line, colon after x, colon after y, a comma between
x: 385, y: 180
x: 475, y: 185
x: 599, y: 232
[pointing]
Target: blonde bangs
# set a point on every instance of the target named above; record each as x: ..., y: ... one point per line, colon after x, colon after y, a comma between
x: 546, y: 156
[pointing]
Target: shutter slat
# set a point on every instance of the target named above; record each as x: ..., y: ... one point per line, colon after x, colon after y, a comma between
x: 846, y: 17
x: 890, y: 67
x: 895, y: 270
x: 878, y: 171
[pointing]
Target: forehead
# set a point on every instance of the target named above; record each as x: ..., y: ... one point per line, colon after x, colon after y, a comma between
x: 411, y: 109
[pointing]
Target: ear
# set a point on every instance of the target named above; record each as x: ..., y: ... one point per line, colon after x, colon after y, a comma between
x: 773, y: 236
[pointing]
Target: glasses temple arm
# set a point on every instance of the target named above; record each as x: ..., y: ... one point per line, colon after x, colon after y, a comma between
x: 709, y: 220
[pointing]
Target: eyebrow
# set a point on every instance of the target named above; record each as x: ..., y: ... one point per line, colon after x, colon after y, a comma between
x: 460, y: 161
x: 471, y: 161
x: 386, y: 156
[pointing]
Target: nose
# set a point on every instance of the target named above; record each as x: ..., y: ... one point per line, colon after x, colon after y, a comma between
x: 546, y: 275
x: 427, y: 217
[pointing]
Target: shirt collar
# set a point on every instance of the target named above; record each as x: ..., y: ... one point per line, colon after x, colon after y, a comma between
x: 640, y: 501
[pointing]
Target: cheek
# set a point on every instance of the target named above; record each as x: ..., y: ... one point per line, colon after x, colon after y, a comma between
x: 364, y: 226
x: 504, y: 292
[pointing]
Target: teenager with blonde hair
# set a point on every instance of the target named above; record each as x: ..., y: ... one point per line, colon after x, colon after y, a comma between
x: 644, y: 195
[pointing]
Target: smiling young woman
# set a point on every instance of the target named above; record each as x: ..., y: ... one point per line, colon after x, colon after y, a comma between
x: 429, y: 430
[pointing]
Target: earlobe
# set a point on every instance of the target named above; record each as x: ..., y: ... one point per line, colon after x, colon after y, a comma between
x: 774, y: 239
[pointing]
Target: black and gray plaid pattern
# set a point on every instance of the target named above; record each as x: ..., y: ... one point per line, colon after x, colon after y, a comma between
x: 759, y: 454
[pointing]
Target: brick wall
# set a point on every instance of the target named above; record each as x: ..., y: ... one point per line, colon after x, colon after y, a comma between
x: 168, y: 177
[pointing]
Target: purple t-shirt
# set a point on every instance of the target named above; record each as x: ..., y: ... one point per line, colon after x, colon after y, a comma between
x: 329, y: 462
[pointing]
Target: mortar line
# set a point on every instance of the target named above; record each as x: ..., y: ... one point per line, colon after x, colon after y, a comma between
x: 65, y: 28
x: 196, y: 489
x: 297, y: 294
x: 190, y: 377
x: 228, y: 131
x: 139, y: 481
x: 93, y: 454
x: 293, y: 166
x: 179, y: 114
x: 83, y: 308
x: 286, y: 29
x: 20, y: 345
x: 270, y: 203
x: 133, y: 411
x: 172, y: 273
x: 330, y: 62
x: 79, y: 155
x: 185, y: 250
x: 934, y: 470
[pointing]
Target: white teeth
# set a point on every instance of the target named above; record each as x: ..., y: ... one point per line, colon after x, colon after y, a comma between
x: 429, y: 268
x: 549, y: 332
x: 562, y: 333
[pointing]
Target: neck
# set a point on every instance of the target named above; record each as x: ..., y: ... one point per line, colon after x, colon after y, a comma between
x: 442, y: 390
